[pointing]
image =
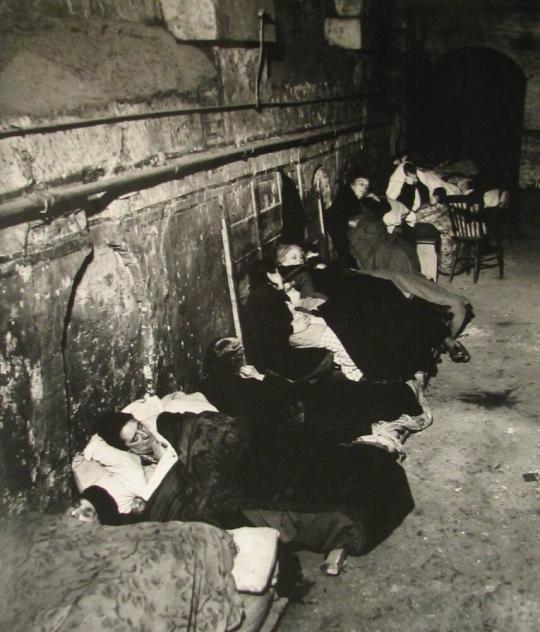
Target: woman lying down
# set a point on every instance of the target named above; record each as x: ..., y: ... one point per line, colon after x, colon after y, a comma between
x: 193, y: 467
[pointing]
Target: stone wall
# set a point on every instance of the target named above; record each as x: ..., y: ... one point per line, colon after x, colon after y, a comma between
x: 119, y: 293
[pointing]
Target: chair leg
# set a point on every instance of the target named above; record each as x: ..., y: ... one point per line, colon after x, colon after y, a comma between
x: 500, y: 258
x: 469, y: 257
x: 454, y: 262
x: 476, y: 262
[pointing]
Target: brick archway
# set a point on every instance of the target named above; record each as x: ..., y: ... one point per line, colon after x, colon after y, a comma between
x: 471, y: 106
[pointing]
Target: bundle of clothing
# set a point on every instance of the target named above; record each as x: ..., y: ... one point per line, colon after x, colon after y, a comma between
x: 60, y: 574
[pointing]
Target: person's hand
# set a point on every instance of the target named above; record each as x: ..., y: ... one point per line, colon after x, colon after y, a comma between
x: 138, y: 505
x: 294, y: 296
x: 250, y: 371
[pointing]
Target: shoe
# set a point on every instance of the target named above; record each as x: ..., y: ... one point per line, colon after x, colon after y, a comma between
x: 418, y: 387
x: 416, y: 423
x: 388, y: 444
x: 458, y: 353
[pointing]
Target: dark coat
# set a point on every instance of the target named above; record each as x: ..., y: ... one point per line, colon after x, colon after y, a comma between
x: 345, y: 206
x: 270, y: 325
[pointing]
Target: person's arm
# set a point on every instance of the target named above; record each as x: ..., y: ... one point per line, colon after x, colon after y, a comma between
x: 395, y: 183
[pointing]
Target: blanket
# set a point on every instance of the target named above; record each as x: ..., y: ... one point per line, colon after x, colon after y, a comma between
x: 60, y: 575
x: 373, y: 248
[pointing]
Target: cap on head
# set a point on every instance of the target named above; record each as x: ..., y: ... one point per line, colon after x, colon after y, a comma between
x: 224, y: 354
x: 357, y: 170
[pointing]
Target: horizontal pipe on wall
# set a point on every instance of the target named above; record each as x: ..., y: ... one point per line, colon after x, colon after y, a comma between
x: 64, y: 198
x: 149, y: 115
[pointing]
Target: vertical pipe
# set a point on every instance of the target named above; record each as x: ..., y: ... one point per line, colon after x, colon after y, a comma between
x: 279, y: 181
x: 256, y: 218
x: 261, y: 16
x: 299, y: 178
x: 323, y: 247
x: 230, y: 277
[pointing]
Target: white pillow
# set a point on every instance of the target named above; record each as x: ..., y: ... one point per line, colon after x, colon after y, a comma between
x: 143, y: 409
x: 255, y: 562
x: 180, y: 402
x: 125, y: 466
x: 90, y: 472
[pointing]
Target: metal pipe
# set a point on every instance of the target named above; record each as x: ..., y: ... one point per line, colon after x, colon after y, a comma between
x: 61, y: 199
x: 140, y: 116
x: 261, y: 15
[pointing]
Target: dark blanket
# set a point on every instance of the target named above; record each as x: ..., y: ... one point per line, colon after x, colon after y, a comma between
x: 387, y: 335
x: 205, y: 480
x: 302, y: 454
x: 218, y: 483
x: 373, y: 248
x: 61, y: 575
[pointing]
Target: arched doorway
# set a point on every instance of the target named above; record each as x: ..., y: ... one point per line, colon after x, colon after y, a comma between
x: 471, y: 106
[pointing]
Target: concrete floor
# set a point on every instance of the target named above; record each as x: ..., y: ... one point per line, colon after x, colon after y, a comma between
x: 468, y: 556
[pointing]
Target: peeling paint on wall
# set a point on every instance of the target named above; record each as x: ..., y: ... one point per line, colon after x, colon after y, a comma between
x: 123, y: 296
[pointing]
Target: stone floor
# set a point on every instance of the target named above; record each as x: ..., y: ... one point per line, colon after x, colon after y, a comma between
x: 468, y: 556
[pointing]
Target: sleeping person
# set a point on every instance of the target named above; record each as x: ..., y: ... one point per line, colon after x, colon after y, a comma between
x: 355, y: 222
x: 277, y: 325
x: 197, y: 459
x: 385, y: 336
x: 302, y: 423
x: 373, y: 299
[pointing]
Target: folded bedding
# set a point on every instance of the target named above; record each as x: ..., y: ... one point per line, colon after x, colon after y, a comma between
x: 62, y: 575
x: 255, y: 568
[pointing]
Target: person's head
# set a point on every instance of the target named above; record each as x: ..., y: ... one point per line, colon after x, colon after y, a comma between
x: 360, y: 187
x: 122, y: 431
x: 83, y: 510
x: 358, y: 178
x: 225, y: 355
x: 289, y: 255
x: 264, y: 272
x: 411, y: 175
x: 439, y: 195
x: 468, y: 185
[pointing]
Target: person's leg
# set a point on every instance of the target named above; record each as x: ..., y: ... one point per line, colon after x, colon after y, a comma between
x: 316, y: 531
x: 456, y: 350
x: 419, y: 286
x: 329, y: 530
x: 318, y: 334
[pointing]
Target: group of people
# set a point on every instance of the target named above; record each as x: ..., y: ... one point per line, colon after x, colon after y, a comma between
x: 309, y: 434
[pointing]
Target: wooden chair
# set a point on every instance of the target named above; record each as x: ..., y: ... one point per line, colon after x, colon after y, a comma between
x: 477, y: 235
